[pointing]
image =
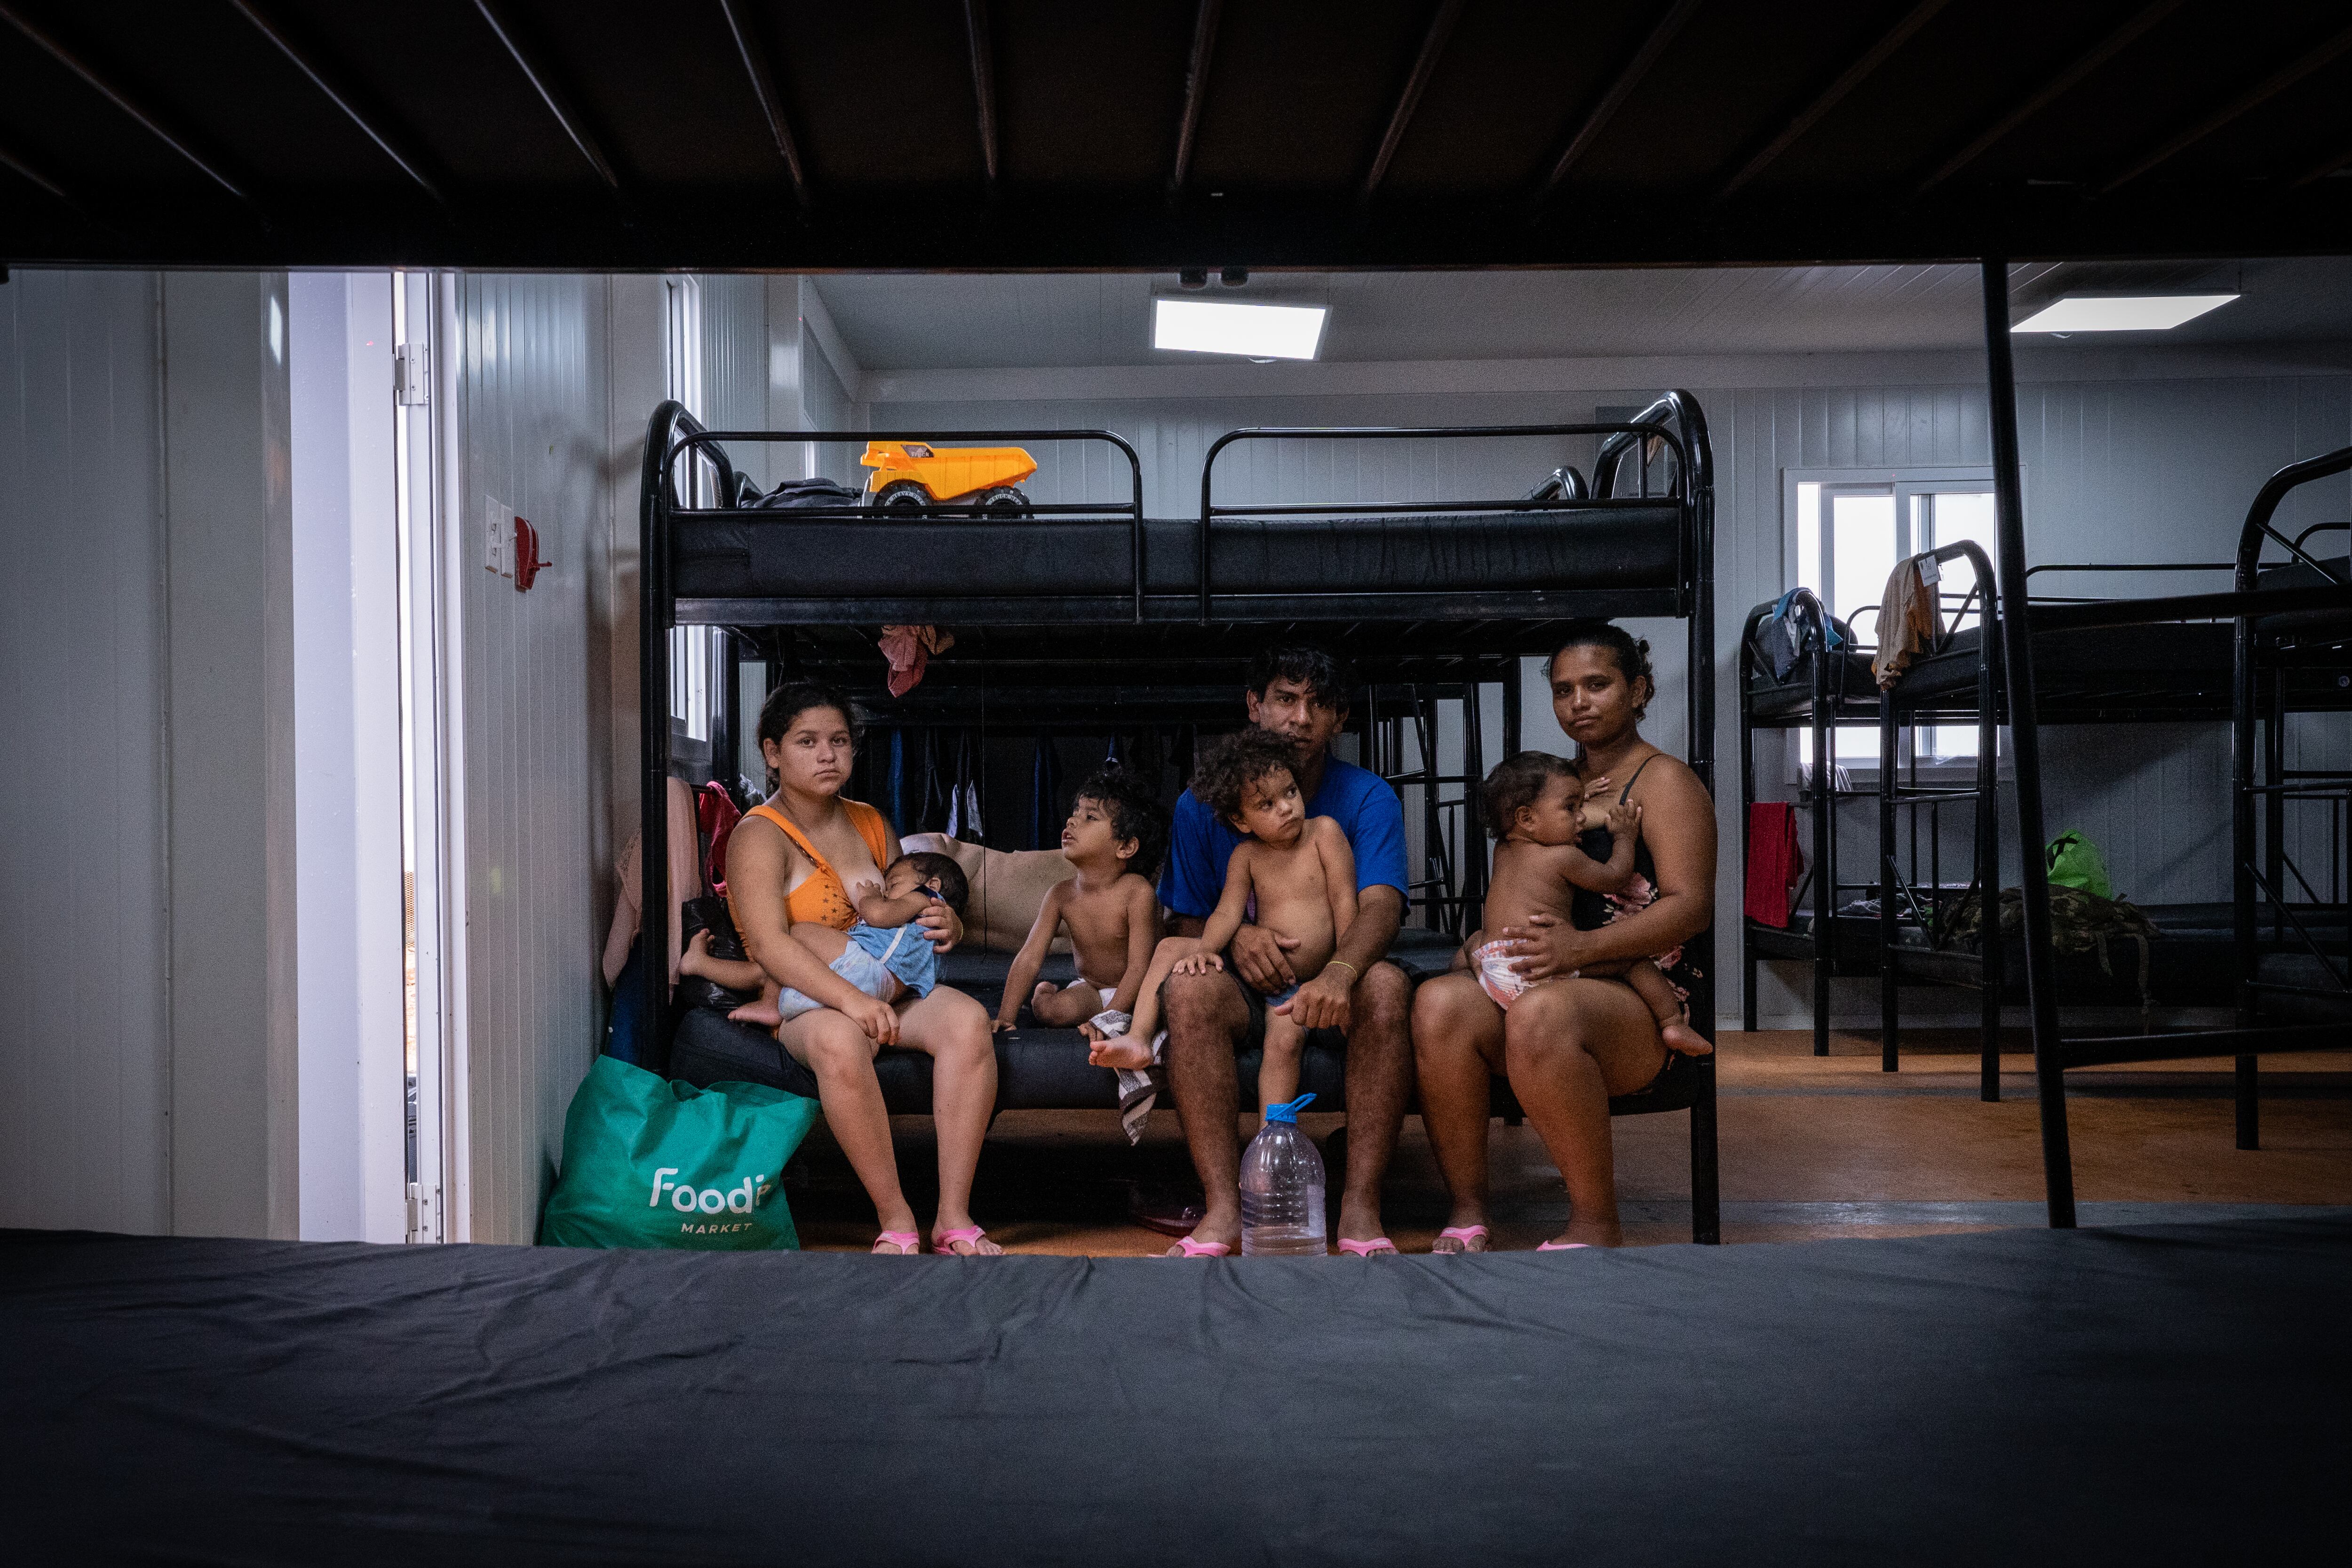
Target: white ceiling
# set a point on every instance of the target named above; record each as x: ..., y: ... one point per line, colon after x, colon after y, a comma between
x: 968, y: 322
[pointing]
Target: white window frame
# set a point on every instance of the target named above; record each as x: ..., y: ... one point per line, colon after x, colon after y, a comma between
x: 1904, y: 485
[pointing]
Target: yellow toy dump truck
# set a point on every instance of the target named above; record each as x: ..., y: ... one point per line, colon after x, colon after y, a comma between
x: 913, y: 474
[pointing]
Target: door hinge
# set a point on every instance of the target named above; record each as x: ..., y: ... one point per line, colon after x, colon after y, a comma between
x: 412, y: 374
x: 422, y: 1224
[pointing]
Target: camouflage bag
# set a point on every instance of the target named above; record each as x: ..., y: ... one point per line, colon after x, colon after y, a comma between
x: 2079, y: 922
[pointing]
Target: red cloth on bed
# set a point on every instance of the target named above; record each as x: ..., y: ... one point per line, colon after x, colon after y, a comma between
x: 1774, y: 863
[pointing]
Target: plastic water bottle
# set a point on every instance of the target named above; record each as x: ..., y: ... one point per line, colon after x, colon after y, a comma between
x: 1282, y: 1189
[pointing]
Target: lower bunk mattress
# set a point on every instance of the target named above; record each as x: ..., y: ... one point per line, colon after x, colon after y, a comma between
x: 1037, y: 1068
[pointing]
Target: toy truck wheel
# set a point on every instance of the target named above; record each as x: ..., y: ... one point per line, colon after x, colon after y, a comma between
x: 1004, y: 501
x: 901, y: 495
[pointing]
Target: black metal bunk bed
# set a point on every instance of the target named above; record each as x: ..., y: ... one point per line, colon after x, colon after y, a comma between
x: 1825, y: 688
x: 2091, y: 669
x: 1095, y: 602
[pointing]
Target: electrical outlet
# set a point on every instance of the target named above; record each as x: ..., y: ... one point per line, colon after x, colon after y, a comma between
x: 497, y: 553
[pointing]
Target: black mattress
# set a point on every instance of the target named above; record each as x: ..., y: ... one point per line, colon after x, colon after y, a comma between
x: 2158, y: 1394
x: 1040, y: 1068
x: 1611, y: 545
x: 1853, y: 691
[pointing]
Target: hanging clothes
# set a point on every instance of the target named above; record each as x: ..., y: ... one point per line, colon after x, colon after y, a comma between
x: 1907, y: 622
x: 963, y: 794
x: 1045, y: 796
x: 909, y: 650
x: 1775, y: 865
x: 714, y: 819
x: 937, y: 803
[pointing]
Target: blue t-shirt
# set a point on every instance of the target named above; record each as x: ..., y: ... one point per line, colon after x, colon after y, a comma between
x: 1361, y: 801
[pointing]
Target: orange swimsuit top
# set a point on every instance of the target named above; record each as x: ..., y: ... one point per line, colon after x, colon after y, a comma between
x: 821, y: 898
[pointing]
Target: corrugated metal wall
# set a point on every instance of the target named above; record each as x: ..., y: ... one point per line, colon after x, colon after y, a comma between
x: 84, y: 1058
x: 533, y: 379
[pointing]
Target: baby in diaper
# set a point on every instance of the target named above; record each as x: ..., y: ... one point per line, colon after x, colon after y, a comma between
x: 885, y: 954
x: 1536, y: 806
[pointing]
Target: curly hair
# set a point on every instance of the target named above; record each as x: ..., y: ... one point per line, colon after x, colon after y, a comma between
x: 1327, y: 677
x: 1517, y: 780
x: 933, y: 866
x: 1631, y: 654
x: 1135, y: 812
x: 1237, y: 762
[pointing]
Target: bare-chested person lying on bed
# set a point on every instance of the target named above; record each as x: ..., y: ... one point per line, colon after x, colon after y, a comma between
x: 1116, y: 834
x: 1538, y: 809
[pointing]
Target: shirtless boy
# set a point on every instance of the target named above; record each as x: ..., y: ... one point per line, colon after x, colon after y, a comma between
x: 1535, y: 806
x: 885, y: 955
x: 1301, y: 874
x: 1114, y: 837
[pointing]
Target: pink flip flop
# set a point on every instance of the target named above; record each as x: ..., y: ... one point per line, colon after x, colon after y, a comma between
x: 944, y: 1243
x: 1561, y: 1245
x: 1379, y: 1247
x: 1187, y: 1247
x: 906, y: 1241
x: 1466, y: 1235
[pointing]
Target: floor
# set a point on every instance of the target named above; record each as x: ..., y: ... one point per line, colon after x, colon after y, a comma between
x: 1812, y: 1148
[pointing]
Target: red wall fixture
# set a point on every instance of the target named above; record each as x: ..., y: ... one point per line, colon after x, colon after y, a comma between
x: 527, y: 563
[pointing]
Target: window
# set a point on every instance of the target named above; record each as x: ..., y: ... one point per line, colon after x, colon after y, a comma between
x: 1851, y: 528
x: 692, y: 649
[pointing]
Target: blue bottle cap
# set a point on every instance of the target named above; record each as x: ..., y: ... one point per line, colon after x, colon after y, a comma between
x: 1289, y: 1112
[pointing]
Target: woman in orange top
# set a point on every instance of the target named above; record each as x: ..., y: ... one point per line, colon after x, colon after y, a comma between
x: 805, y: 855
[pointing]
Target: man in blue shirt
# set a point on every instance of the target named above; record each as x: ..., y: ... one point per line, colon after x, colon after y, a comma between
x: 1358, y: 1002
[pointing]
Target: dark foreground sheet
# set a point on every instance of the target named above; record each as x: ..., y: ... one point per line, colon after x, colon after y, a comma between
x: 2172, y: 1393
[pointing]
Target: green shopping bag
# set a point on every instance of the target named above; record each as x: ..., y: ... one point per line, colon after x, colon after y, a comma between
x: 2076, y: 862
x: 656, y: 1163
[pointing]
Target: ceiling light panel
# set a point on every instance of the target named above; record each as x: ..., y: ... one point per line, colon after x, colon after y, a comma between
x: 1258, y: 332
x: 2120, y: 313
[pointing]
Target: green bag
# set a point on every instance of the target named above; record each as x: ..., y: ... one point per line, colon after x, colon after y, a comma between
x: 649, y: 1163
x: 2076, y: 862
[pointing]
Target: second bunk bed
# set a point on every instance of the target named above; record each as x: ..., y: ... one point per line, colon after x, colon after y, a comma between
x: 2278, y: 944
x: 1090, y: 617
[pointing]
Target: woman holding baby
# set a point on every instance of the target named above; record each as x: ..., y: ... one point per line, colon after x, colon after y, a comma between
x: 1567, y: 1043
x: 806, y: 856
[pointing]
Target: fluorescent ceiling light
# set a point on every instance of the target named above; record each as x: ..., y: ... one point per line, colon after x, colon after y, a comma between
x: 1260, y: 331
x: 2120, y: 313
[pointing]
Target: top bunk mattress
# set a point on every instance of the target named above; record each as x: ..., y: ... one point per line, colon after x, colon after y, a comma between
x: 1620, y: 548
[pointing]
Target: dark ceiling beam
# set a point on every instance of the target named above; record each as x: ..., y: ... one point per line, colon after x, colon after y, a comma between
x: 25, y: 169
x: 1424, y: 65
x: 335, y: 95
x: 1612, y: 98
x: 984, y: 81
x: 2270, y: 87
x: 2339, y: 159
x: 1805, y: 119
x: 2050, y: 91
x: 543, y: 83
x: 763, y: 87
x: 1196, y: 87
x: 124, y: 102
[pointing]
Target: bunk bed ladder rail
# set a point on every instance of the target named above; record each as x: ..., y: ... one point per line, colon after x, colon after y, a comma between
x: 1984, y: 886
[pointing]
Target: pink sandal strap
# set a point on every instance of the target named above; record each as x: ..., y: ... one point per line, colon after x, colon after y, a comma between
x: 901, y: 1239
x: 1561, y: 1245
x: 944, y: 1243
x: 1191, y: 1249
x: 1379, y: 1246
x: 1465, y: 1232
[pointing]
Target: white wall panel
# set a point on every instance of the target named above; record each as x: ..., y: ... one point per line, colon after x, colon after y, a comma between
x: 533, y: 379
x: 84, y: 938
